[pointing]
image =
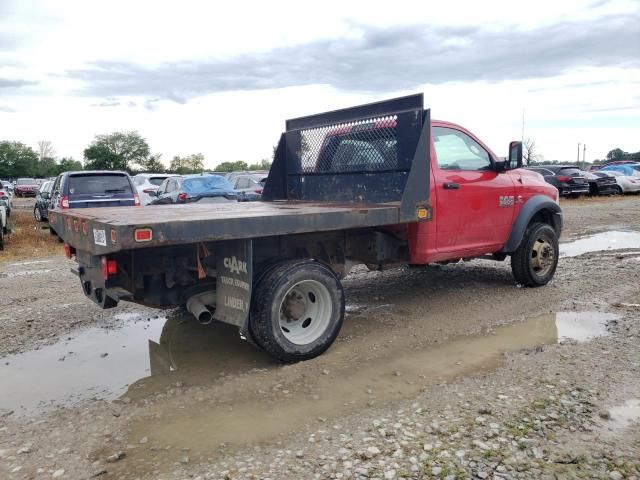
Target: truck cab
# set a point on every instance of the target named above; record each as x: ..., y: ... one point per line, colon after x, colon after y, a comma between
x: 475, y: 198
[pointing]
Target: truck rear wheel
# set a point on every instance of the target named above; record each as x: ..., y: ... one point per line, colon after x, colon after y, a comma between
x: 297, y: 310
x: 536, y: 258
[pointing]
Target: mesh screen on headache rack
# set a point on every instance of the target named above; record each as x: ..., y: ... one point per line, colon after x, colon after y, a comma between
x: 364, y: 146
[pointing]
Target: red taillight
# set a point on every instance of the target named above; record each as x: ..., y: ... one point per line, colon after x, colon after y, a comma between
x: 64, y: 201
x: 109, y: 268
x: 114, y: 236
x: 136, y: 199
x: 67, y: 250
x: 149, y: 190
x: 143, y: 235
x: 182, y: 196
x: 2, y: 194
x: 562, y: 178
x: 259, y: 190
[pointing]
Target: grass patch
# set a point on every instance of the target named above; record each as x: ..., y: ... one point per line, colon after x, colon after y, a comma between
x: 28, y: 239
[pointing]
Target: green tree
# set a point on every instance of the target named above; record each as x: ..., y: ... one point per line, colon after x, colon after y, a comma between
x: 616, y: 154
x: 153, y: 164
x: 263, y: 164
x: 46, y: 167
x: 116, y: 151
x: 17, y: 160
x: 68, y: 165
x: 232, y: 166
x: 193, y: 163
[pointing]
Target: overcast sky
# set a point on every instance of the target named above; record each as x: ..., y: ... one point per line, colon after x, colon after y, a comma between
x: 220, y: 78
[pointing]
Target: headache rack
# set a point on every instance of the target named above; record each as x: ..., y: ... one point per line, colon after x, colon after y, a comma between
x: 369, y: 154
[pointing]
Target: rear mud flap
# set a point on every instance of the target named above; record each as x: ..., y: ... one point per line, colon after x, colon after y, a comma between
x: 233, y: 283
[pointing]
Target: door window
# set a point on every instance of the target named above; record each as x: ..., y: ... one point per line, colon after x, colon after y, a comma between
x: 243, y: 183
x: 163, y: 187
x: 171, y: 185
x: 456, y: 150
x: 56, y: 185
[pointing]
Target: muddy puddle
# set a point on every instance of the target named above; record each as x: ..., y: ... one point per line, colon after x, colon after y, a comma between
x: 102, y: 363
x: 612, y: 240
x: 622, y: 416
x: 204, y: 429
x: 25, y: 273
x: 144, y: 356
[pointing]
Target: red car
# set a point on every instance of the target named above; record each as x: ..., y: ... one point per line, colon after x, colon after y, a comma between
x: 26, y: 187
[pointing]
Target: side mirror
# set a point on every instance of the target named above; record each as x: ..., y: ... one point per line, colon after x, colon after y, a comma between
x: 45, y: 195
x: 515, y: 156
x: 500, y: 166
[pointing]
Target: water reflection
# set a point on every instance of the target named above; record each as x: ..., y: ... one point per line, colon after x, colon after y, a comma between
x: 101, y: 363
x: 144, y: 355
x: 613, y: 240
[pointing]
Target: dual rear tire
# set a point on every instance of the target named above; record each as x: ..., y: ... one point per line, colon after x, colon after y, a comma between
x: 297, y: 310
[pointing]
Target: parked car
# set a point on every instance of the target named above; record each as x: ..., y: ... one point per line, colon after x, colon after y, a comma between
x: 8, y: 186
x: 195, y: 188
x: 4, y: 218
x: 626, y: 183
x: 600, y: 183
x: 26, y: 187
x: 630, y: 169
x: 84, y: 189
x: 7, y: 198
x: 231, y: 176
x: 569, y: 180
x: 43, y: 201
x: 147, y: 184
x: 250, y: 184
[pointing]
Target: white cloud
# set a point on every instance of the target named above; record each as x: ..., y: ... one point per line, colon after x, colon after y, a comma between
x: 40, y: 41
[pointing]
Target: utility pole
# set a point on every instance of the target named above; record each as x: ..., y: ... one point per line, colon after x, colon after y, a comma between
x: 522, y: 137
x: 584, y: 152
x: 578, y: 158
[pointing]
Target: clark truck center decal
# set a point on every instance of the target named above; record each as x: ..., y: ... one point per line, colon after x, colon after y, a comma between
x: 233, y: 281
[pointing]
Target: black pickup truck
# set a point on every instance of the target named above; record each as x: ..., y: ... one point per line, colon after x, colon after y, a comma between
x: 346, y: 187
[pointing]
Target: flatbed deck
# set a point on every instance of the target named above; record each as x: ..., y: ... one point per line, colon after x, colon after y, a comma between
x: 193, y: 223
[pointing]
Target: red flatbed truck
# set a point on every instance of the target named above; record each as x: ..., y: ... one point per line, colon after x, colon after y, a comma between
x: 378, y: 184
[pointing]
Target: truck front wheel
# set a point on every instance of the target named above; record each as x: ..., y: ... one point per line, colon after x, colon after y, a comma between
x: 297, y: 310
x: 536, y: 258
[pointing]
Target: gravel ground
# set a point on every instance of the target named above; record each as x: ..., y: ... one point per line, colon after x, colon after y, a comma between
x: 441, y: 372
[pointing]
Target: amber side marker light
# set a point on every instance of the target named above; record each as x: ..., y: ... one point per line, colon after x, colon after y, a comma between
x: 143, y: 235
x: 422, y: 213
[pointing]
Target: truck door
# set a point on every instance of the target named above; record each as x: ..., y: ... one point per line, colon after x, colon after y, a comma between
x: 474, y: 203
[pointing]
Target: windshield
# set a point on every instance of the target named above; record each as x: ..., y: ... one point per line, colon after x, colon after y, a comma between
x: 156, y: 181
x: 25, y: 181
x: 570, y: 171
x: 98, y: 184
x: 204, y: 185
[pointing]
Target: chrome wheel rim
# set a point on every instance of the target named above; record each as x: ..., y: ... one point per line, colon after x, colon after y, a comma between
x: 305, y: 312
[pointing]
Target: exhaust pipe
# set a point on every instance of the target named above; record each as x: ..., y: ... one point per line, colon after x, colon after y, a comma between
x: 197, y: 306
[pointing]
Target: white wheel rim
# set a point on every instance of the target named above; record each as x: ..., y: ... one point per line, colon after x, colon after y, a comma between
x: 37, y: 215
x: 305, y: 312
